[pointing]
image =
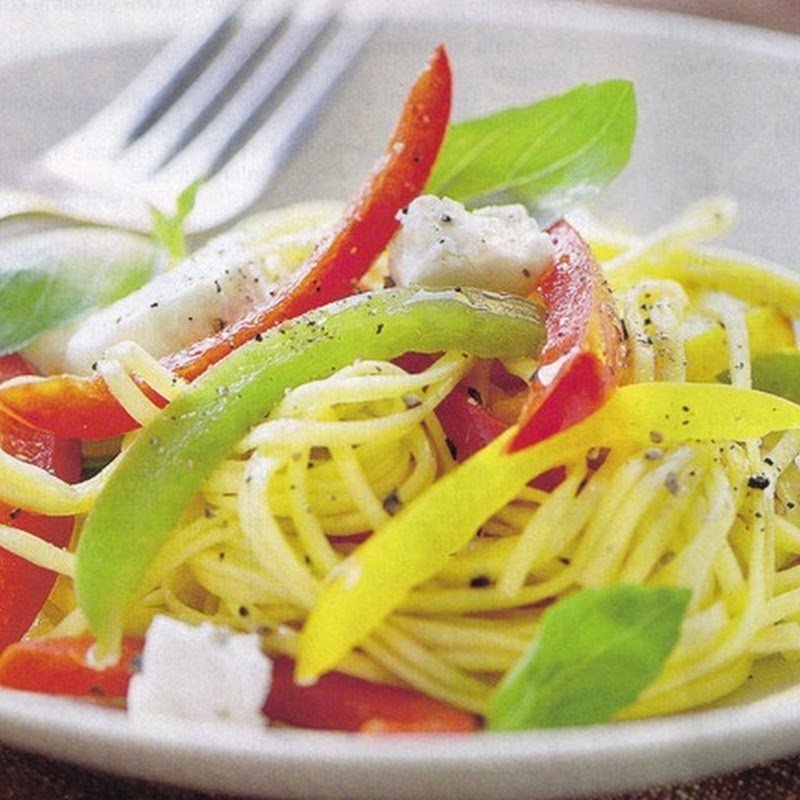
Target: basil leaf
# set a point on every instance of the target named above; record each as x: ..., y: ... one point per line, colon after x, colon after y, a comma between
x: 168, y: 229
x: 50, y: 278
x: 595, y: 653
x: 776, y: 373
x: 549, y: 156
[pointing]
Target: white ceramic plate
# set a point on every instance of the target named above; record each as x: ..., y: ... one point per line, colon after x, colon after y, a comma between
x: 718, y: 113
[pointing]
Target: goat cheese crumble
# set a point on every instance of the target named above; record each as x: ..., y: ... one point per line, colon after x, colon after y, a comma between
x: 440, y: 243
x: 202, y: 673
x: 198, y: 297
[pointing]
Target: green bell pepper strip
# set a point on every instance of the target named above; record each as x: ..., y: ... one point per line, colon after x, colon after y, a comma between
x: 418, y: 542
x: 161, y: 471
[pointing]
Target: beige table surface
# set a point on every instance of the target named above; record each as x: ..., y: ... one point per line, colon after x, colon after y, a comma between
x: 30, y: 777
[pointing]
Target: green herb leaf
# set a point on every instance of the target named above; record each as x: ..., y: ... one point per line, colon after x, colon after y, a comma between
x: 776, y: 373
x: 596, y: 651
x: 549, y: 156
x: 168, y: 229
x: 48, y: 279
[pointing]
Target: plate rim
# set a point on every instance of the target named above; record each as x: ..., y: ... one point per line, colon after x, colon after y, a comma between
x: 24, y: 717
x: 655, y: 22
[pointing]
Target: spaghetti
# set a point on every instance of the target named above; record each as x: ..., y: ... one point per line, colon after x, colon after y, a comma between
x: 338, y: 457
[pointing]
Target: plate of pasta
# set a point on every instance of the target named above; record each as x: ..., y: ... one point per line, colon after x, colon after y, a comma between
x: 483, y: 483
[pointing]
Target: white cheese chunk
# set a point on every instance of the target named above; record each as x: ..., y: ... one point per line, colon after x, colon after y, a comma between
x: 198, y: 297
x: 202, y: 673
x: 213, y: 287
x: 440, y: 243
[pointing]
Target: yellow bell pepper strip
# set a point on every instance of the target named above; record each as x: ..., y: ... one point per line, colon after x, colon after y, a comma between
x: 584, y: 355
x: 417, y: 543
x: 768, y: 331
x: 755, y: 282
x: 25, y: 586
x: 84, y: 408
x: 157, y: 476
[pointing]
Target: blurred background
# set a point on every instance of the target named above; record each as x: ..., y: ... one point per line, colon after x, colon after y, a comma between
x: 778, y: 14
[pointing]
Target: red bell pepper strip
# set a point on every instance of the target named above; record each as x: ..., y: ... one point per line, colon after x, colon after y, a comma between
x: 581, y: 362
x: 344, y: 703
x: 470, y: 426
x: 59, y: 665
x: 339, y: 702
x: 583, y: 359
x: 84, y: 408
x: 333, y: 269
x: 24, y: 586
x: 467, y: 423
x: 68, y: 406
x: 13, y: 365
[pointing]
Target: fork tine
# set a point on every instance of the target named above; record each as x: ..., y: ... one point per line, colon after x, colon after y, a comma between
x: 238, y: 180
x: 174, y: 71
x: 306, y: 28
x: 182, y: 120
x: 143, y: 101
x: 110, y: 170
x: 281, y: 130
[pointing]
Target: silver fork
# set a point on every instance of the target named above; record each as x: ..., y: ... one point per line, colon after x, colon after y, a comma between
x: 224, y: 107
